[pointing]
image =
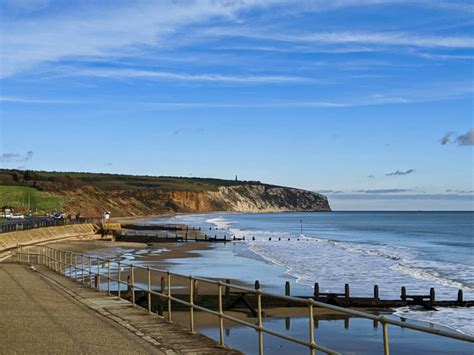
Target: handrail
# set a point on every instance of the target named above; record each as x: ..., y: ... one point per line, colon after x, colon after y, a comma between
x: 66, y: 263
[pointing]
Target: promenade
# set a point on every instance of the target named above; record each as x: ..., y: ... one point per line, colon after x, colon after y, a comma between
x: 44, y: 312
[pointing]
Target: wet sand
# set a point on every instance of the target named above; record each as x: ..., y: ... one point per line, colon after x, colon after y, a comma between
x: 161, y: 260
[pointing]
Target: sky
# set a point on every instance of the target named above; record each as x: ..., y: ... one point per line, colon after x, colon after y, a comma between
x: 369, y: 102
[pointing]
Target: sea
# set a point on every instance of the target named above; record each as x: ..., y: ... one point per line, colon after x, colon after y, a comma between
x: 416, y: 250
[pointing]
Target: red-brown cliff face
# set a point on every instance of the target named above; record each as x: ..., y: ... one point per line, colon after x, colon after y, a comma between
x: 245, y: 198
x: 127, y: 195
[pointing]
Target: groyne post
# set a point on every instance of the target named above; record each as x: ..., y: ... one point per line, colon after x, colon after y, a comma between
x: 376, y: 292
x: 432, y: 296
x: 346, y: 293
x: 316, y: 291
x: 460, y: 296
x: 404, y: 294
x: 287, y: 288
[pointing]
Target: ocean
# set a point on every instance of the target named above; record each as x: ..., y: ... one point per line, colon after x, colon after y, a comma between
x: 418, y: 250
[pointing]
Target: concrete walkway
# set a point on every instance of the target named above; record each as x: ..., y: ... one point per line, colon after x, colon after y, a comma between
x: 43, y: 312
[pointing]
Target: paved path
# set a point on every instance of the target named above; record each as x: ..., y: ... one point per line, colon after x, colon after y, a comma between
x: 43, y: 312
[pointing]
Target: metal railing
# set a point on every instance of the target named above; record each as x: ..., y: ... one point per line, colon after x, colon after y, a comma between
x: 92, y: 269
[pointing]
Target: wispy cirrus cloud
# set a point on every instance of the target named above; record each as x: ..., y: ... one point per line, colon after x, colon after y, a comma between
x: 385, y: 38
x: 100, y: 30
x: 400, y: 173
x: 32, y: 100
x: 438, y: 92
x: 161, y: 75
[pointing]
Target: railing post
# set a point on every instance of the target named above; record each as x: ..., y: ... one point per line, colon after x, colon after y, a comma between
x: 149, y: 289
x: 60, y: 262
x: 221, y: 319
x: 108, y: 277
x: 386, y: 348
x: 311, y: 327
x: 90, y: 271
x: 132, y: 276
x: 75, y: 267
x: 162, y: 298
x: 260, y: 321
x: 119, y: 280
x: 98, y: 274
x: 191, y: 301
x: 169, y: 296
x: 82, y: 269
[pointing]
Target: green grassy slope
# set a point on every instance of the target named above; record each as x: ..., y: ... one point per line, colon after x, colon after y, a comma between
x: 18, y: 196
x: 119, y: 181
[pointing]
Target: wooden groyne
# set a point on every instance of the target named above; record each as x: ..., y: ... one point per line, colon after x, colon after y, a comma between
x: 247, y: 300
x: 166, y: 233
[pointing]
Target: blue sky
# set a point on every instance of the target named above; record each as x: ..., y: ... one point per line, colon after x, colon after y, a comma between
x: 352, y: 98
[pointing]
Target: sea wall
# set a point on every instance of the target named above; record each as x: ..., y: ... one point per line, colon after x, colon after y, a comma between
x: 11, y: 240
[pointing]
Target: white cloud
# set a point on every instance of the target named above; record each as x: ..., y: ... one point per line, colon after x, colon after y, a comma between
x: 438, y: 92
x: 114, y: 29
x: 161, y: 75
x: 31, y: 100
x: 387, y: 39
x: 102, y: 31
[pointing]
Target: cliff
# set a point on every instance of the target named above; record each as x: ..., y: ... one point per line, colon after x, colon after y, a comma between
x: 124, y: 195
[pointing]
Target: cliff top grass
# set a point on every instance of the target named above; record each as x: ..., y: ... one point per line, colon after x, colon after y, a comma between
x: 116, y: 181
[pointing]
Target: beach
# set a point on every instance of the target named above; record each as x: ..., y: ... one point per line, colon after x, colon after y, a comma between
x: 236, y: 261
